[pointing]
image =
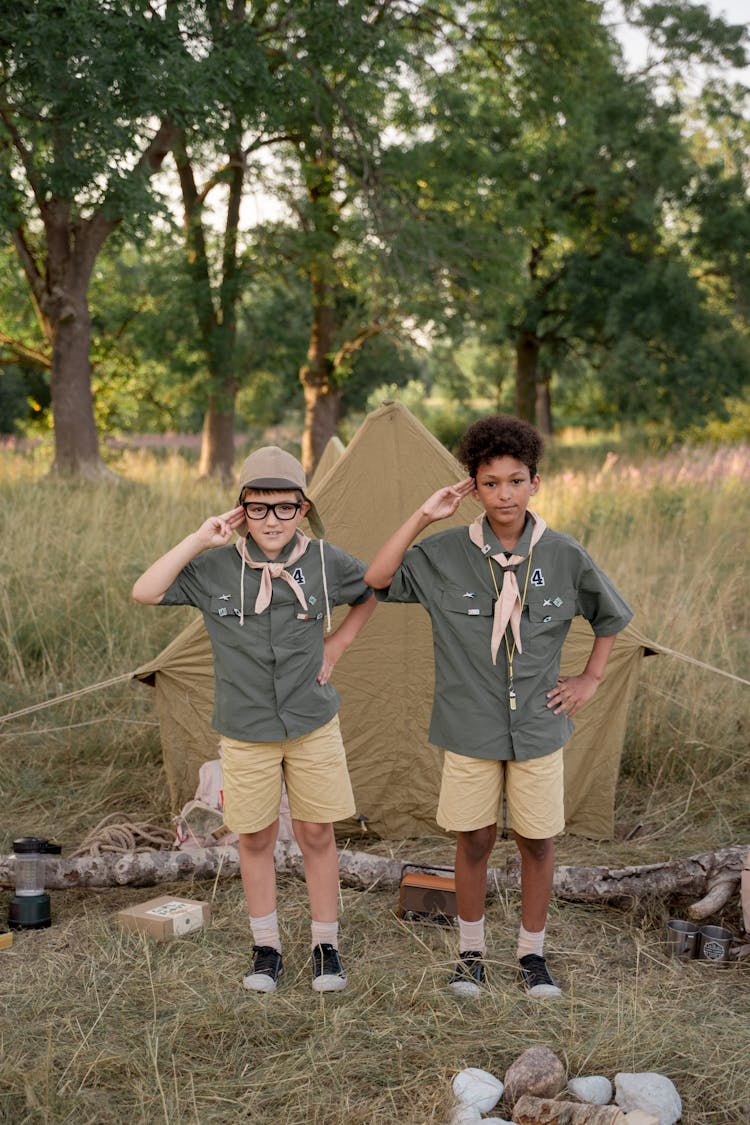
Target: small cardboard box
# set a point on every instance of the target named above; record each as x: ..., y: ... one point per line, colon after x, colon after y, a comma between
x: 165, y: 917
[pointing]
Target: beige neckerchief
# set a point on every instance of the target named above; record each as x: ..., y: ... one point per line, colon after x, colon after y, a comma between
x: 508, y: 605
x: 271, y: 570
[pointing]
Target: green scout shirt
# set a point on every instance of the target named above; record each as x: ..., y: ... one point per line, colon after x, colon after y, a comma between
x: 265, y: 670
x: 451, y: 578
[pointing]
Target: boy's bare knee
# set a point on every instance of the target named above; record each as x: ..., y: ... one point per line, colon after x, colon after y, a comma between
x: 477, y: 844
x: 256, y: 843
x: 537, y: 850
x: 312, y: 836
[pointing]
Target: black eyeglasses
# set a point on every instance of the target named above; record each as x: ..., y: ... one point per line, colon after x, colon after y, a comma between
x: 257, y: 511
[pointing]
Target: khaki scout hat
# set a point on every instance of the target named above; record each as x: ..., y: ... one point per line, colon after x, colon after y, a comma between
x: 274, y: 469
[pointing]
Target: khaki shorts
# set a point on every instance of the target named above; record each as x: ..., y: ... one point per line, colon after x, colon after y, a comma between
x: 472, y: 790
x: 314, y: 771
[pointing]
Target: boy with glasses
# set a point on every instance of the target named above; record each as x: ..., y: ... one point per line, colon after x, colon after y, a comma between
x: 265, y: 601
x: 501, y: 594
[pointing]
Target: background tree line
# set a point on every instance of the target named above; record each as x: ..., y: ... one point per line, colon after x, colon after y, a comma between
x: 460, y: 191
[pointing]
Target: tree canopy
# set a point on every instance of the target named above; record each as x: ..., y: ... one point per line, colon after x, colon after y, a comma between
x: 480, y: 178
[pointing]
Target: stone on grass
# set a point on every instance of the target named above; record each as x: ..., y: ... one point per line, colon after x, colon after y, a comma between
x: 538, y: 1071
x: 465, y: 1115
x: 653, y: 1093
x: 638, y: 1117
x: 595, y: 1089
x: 479, y: 1088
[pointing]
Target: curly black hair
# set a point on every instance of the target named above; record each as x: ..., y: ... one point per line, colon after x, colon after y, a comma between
x: 500, y: 435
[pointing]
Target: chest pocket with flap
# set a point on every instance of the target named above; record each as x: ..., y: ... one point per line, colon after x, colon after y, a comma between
x: 552, y: 609
x: 455, y: 600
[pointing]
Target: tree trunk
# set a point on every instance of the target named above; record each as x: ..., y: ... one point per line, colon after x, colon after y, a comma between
x: 76, y: 438
x: 322, y: 414
x: 217, y: 316
x: 322, y: 396
x: 543, y: 408
x: 527, y: 355
x: 62, y: 295
x: 217, y: 440
x: 58, y: 277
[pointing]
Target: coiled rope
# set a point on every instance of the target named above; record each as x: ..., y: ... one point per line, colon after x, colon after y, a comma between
x: 124, y: 836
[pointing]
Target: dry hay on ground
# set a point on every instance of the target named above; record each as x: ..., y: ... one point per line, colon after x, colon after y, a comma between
x: 117, y: 1028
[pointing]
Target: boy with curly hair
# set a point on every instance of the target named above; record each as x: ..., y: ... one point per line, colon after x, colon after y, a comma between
x: 501, y: 595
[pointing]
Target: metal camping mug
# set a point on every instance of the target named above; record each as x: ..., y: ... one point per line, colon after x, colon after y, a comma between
x: 682, y: 938
x: 715, y: 943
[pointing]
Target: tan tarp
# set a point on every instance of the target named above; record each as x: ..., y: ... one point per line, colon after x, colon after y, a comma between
x: 330, y: 455
x: 386, y: 678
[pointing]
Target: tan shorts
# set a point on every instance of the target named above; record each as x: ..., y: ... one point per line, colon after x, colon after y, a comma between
x: 471, y: 794
x: 314, y: 771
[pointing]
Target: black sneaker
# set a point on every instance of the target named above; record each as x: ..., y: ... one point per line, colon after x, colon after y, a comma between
x: 327, y: 971
x: 265, y: 971
x: 468, y: 976
x: 536, y: 978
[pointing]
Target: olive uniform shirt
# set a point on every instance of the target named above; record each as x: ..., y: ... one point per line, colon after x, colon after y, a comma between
x: 450, y: 577
x: 265, y: 670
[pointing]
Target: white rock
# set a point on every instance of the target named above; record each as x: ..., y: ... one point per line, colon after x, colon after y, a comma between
x: 477, y: 1088
x: 465, y: 1115
x: 596, y: 1089
x: 651, y: 1092
x: 495, y: 1121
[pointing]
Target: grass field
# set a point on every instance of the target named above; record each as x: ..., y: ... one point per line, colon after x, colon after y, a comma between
x: 99, y: 1027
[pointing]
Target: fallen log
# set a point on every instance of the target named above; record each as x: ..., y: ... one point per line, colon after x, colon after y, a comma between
x: 709, y: 878
x: 697, y: 877
x: 529, y: 1110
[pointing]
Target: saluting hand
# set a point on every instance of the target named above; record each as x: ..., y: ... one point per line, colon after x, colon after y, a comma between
x: 217, y: 531
x: 445, y: 501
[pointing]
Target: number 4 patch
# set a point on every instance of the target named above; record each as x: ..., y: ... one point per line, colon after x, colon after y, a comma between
x: 298, y: 576
x: 537, y: 578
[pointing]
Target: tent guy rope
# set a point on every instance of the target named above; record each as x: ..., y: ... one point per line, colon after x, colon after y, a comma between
x: 131, y: 675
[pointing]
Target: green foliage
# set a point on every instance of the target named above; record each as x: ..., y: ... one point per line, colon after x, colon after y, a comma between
x: 82, y: 81
x: 24, y: 399
x: 469, y: 176
x: 734, y: 426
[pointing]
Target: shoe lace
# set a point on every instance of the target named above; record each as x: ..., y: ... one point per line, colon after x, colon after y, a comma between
x: 327, y: 962
x: 535, y: 970
x: 265, y: 959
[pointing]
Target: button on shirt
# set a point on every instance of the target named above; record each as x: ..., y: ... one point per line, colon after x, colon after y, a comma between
x: 450, y: 577
x: 265, y: 670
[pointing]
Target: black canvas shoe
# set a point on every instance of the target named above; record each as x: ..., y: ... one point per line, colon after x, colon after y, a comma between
x: 327, y: 971
x: 265, y: 971
x: 468, y: 976
x: 536, y: 978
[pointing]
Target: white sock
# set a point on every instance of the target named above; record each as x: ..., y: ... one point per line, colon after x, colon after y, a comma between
x: 266, y: 930
x: 471, y: 936
x: 324, y: 933
x: 530, y: 943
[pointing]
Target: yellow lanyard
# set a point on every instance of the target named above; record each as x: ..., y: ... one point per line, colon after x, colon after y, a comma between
x: 511, y: 652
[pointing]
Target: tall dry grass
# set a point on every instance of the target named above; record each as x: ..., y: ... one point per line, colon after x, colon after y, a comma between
x: 115, y: 1029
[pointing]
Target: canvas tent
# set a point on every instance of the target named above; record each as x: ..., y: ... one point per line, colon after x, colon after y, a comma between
x: 386, y: 678
x: 330, y: 455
